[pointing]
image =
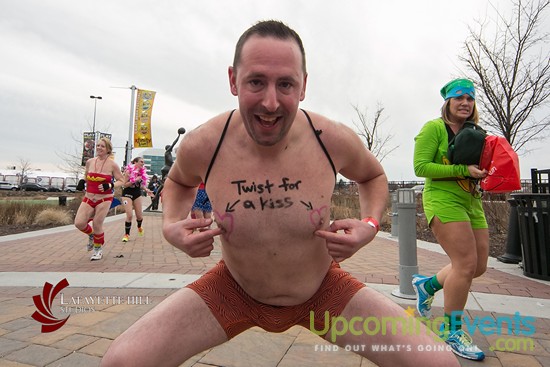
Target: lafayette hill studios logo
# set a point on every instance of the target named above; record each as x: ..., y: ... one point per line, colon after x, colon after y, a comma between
x: 43, y: 304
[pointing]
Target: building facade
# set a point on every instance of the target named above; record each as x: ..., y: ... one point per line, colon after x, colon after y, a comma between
x: 154, y: 161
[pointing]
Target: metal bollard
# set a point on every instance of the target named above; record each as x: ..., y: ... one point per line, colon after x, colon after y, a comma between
x: 394, y: 216
x: 408, y: 265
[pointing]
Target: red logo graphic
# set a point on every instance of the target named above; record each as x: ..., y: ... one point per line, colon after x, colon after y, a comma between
x: 44, y: 305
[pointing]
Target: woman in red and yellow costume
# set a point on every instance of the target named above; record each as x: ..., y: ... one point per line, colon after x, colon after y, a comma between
x: 99, y: 195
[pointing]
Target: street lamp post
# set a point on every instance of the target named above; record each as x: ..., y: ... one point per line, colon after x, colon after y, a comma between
x: 95, y: 98
x: 130, y: 142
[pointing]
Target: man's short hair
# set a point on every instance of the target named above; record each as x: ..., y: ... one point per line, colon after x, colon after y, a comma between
x: 269, y: 28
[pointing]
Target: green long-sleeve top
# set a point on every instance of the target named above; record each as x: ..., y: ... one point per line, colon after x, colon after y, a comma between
x: 442, y: 197
x: 430, y: 153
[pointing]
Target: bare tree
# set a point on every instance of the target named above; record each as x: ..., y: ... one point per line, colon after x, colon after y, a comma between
x: 369, y: 131
x: 25, y: 169
x: 72, y: 163
x: 72, y: 160
x: 512, y: 70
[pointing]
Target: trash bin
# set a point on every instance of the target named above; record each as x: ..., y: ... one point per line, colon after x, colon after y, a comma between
x: 62, y: 201
x: 513, y: 240
x: 534, y: 229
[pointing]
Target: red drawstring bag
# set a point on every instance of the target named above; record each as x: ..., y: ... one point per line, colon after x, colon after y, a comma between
x: 502, y: 163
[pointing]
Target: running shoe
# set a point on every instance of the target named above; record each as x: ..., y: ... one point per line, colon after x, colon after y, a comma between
x: 90, y: 244
x: 97, y: 255
x: 126, y: 238
x: 140, y: 231
x: 461, y: 344
x: 423, y: 298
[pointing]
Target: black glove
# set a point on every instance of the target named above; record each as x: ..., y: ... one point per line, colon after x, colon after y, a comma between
x: 107, y: 186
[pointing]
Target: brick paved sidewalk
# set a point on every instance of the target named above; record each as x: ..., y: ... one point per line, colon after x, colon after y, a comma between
x: 88, y: 333
x: 375, y: 263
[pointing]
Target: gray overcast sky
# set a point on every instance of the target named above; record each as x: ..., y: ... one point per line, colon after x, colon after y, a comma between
x: 57, y: 53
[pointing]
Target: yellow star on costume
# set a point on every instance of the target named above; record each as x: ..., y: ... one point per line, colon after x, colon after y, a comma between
x: 410, y: 311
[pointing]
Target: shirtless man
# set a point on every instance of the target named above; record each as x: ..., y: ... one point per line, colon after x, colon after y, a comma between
x: 269, y: 169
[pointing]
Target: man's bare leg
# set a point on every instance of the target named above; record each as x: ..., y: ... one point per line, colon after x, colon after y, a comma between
x: 369, y: 303
x: 174, y: 331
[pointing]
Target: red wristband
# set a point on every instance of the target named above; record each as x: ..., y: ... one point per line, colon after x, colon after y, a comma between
x: 372, y: 222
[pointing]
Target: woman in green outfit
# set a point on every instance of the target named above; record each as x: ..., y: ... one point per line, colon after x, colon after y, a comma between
x: 454, y: 211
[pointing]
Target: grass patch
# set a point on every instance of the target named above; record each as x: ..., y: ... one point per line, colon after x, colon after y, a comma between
x: 20, y: 212
x: 53, y: 216
x: 30, y: 202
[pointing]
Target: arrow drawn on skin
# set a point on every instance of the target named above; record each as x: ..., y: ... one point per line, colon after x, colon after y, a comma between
x: 308, y: 205
x: 229, y: 208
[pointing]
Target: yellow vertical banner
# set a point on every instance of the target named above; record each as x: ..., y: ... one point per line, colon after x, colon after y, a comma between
x: 142, y: 119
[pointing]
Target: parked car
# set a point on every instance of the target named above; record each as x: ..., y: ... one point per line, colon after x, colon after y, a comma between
x: 70, y: 188
x: 30, y: 186
x: 4, y: 185
x: 54, y: 189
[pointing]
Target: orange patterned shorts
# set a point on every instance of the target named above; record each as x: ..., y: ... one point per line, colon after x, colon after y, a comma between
x: 236, y: 311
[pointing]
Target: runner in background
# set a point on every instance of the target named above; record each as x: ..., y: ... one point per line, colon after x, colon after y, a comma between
x: 135, y: 180
x: 99, y: 195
